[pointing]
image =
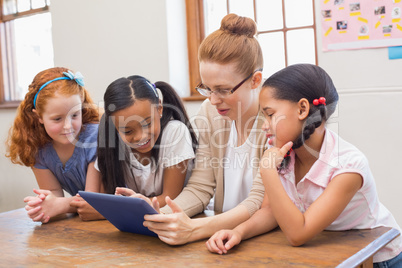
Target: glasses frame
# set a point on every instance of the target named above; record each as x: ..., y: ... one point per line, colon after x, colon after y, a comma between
x: 203, y: 91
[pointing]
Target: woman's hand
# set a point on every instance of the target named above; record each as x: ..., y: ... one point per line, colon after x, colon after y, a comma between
x: 222, y: 241
x: 174, y: 229
x: 128, y: 192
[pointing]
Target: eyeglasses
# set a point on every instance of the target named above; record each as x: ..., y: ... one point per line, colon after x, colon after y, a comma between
x: 223, y: 93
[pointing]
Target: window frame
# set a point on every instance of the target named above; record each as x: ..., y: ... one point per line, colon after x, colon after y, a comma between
x: 196, y: 33
x: 4, y: 30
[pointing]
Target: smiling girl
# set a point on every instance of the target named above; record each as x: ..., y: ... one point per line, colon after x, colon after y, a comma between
x: 146, y: 142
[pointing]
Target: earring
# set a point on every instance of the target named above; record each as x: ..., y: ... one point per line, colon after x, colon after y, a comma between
x: 161, y: 115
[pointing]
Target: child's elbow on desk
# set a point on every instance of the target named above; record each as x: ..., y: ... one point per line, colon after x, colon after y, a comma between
x: 297, y: 240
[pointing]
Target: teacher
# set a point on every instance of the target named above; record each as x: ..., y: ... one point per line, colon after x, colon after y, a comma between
x: 230, y: 139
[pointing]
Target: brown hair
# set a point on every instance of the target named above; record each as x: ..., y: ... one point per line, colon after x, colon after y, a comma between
x: 233, y: 42
x: 27, y: 134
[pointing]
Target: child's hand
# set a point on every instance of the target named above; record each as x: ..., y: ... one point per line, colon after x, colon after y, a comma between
x: 273, y: 157
x: 34, y: 201
x: 128, y: 192
x: 85, y: 211
x: 216, y: 244
x: 34, y: 208
x: 125, y: 192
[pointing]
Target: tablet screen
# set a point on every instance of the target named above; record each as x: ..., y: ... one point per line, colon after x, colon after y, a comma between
x: 125, y: 213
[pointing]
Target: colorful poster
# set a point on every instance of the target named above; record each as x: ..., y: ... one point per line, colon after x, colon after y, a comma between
x: 353, y: 24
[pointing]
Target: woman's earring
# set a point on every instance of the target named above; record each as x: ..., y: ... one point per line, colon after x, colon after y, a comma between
x: 161, y: 115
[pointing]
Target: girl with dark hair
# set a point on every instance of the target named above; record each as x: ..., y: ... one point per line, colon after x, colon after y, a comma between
x: 55, y: 133
x: 313, y: 179
x: 146, y: 142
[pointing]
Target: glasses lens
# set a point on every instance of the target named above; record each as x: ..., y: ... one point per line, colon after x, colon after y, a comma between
x: 203, y: 91
x: 224, y: 93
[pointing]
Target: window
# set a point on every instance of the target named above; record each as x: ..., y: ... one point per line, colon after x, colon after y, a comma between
x: 286, y: 30
x: 26, y: 46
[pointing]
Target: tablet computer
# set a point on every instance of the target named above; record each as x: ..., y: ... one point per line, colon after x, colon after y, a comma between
x: 125, y: 213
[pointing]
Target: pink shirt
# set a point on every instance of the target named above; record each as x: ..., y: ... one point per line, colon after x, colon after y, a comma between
x: 364, y: 210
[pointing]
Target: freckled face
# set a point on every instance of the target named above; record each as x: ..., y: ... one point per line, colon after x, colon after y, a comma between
x: 139, y: 125
x: 282, y: 122
x: 62, y: 118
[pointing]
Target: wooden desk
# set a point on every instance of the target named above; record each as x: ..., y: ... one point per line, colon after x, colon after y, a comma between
x: 72, y: 242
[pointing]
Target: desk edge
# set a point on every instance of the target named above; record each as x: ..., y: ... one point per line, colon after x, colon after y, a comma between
x: 370, y: 249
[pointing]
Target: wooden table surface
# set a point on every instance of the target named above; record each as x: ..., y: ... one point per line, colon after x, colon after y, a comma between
x: 71, y: 242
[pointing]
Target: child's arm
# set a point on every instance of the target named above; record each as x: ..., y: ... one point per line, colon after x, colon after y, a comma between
x: 301, y: 227
x: 93, y: 181
x: 93, y: 184
x: 173, y: 181
x: 47, y: 181
x: 50, y: 200
x: 261, y: 222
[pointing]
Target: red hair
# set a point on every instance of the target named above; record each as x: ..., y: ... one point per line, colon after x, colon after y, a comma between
x: 28, y: 135
x: 233, y: 42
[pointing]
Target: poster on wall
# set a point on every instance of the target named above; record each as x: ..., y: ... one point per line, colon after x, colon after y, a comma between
x: 352, y: 24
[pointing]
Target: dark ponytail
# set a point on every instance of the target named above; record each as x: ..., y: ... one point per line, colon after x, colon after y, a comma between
x: 173, y: 109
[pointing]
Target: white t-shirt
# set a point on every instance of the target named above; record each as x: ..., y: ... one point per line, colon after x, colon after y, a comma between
x: 175, y: 147
x: 238, y: 168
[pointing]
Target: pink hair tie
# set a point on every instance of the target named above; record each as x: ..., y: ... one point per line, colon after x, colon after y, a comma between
x: 319, y: 101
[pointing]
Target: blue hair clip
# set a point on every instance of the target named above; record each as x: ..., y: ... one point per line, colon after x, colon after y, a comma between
x: 154, y: 89
x: 69, y: 75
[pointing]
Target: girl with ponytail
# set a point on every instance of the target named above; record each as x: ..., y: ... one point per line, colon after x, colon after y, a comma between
x: 313, y: 179
x: 146, y: 143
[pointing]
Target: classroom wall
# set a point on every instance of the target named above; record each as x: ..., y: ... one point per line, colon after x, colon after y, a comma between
x: 106, y: 41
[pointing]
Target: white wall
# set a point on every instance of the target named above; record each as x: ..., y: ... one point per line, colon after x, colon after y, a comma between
x: 15, y: 181
x: 106, y: 41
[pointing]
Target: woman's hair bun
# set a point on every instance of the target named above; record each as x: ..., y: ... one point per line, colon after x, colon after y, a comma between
x: 235, y: 24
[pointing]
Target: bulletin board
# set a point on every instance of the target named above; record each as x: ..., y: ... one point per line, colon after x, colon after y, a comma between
x: 353, y: 24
